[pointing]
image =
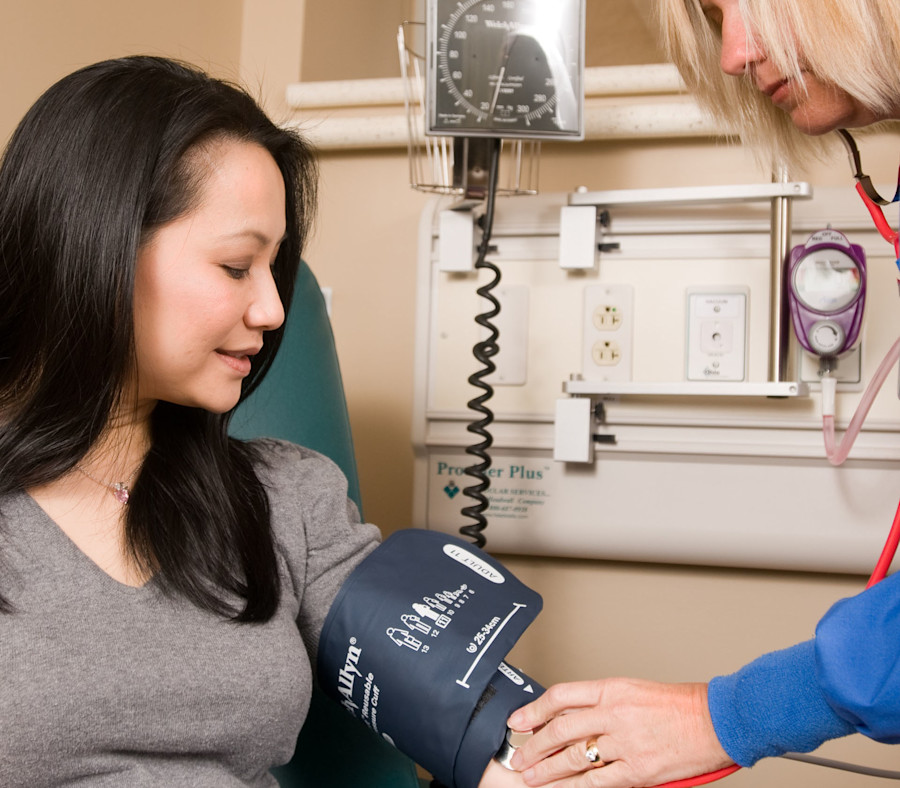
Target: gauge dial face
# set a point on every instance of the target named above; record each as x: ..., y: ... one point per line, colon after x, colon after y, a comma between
x: 506, y: 68
x: 827, y: 280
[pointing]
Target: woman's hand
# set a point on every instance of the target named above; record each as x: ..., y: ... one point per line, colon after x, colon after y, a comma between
x: 497, y: 776
x: 646, y: 733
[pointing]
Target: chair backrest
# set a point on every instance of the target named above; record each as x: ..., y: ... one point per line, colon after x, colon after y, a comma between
x: 302, y: 400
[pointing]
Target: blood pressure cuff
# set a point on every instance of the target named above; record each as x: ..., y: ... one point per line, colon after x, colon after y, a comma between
x: 414, y: 647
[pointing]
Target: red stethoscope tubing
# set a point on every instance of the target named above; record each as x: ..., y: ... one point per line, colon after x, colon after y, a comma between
x: 887, y: 553
x: 870, y: 196
x: 703, y: 779
x: 887, y: 232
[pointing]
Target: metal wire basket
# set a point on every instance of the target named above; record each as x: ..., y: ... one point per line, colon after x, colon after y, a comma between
x: 455, y: 165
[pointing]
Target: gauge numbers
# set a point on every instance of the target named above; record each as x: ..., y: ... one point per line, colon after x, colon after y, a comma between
x: 506, y: 68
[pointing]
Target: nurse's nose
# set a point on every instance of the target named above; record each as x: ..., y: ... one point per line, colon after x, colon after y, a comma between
x: 739, y: 49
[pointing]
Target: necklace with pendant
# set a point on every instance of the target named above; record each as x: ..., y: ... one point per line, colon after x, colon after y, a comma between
x: 120, y: 490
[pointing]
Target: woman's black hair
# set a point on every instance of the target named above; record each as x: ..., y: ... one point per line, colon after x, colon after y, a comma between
x: 98, y: 164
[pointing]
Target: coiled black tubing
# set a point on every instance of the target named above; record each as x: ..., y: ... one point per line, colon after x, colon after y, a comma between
x: 483, y: 351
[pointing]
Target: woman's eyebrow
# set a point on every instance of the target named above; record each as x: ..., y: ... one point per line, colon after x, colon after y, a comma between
x: 255, y: 234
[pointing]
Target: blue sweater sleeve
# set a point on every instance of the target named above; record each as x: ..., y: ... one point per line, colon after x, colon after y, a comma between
x: 858, y: 660
x: 772, y: 706
x: 847, y: 679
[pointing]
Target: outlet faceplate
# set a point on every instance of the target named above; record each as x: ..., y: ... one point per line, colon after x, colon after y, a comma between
x: 717, y: 334
x: 608, y: 332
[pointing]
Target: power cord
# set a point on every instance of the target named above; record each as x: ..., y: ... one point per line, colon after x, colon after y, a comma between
x: 869, y: 771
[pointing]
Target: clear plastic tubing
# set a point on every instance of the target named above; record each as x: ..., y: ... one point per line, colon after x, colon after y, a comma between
x: 837, y: 455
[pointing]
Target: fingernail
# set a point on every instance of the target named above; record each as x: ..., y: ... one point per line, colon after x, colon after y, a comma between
x: 528, y: 776
x: 516, y: 760
x: 515, y: 720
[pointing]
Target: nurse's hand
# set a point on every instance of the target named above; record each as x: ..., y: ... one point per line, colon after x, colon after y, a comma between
x: 646, y: 734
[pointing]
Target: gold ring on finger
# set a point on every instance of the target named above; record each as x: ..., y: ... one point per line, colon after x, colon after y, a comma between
x: 593, y: 754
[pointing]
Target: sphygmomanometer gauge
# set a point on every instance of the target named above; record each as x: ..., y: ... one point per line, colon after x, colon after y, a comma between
x: 507, y: 68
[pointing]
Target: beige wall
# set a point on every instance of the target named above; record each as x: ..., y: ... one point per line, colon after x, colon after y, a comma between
x: 600, y: 618
x: 349, y: 39
x: 42, y: 40
x: 346, y: 39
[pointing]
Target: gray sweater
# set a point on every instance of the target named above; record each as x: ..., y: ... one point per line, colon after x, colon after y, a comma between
x: 102, y: 684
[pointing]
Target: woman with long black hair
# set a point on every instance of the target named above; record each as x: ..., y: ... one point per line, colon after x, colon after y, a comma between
x: 162, y: 585
x: 154, y: 570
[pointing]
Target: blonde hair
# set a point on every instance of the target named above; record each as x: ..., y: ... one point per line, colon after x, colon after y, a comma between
x: 851, y: 44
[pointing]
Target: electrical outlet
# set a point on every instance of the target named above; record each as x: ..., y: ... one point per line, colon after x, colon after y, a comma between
x: 608, y: 332
x: 607, y: 317
x: 606, y: 353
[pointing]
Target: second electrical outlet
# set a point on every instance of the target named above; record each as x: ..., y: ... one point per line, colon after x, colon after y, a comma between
x: 608, y: 330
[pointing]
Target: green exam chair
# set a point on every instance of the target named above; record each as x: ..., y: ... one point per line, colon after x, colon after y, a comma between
x: 302, y: 400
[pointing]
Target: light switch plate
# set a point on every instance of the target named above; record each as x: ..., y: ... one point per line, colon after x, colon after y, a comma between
x: 511, y: 361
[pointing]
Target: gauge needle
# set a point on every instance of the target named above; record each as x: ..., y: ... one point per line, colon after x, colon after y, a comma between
x: 507, y: 47
x: 497, y: 89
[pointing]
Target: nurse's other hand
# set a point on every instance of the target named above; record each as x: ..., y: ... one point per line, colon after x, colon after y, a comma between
x: 647, y: 733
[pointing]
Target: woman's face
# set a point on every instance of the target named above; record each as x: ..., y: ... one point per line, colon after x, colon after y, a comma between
x: 204, y: 293
x: 815, y: 107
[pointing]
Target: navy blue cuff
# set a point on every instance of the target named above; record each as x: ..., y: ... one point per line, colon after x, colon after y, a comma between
x: 414, y: 638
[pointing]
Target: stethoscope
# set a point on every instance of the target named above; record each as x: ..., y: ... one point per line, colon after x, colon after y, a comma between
x: 873, y: 201
x: 870, y: 196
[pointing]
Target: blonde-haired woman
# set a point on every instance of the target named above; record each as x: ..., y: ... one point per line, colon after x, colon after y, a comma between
x: 824, y: 64
x: 783, y: 73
